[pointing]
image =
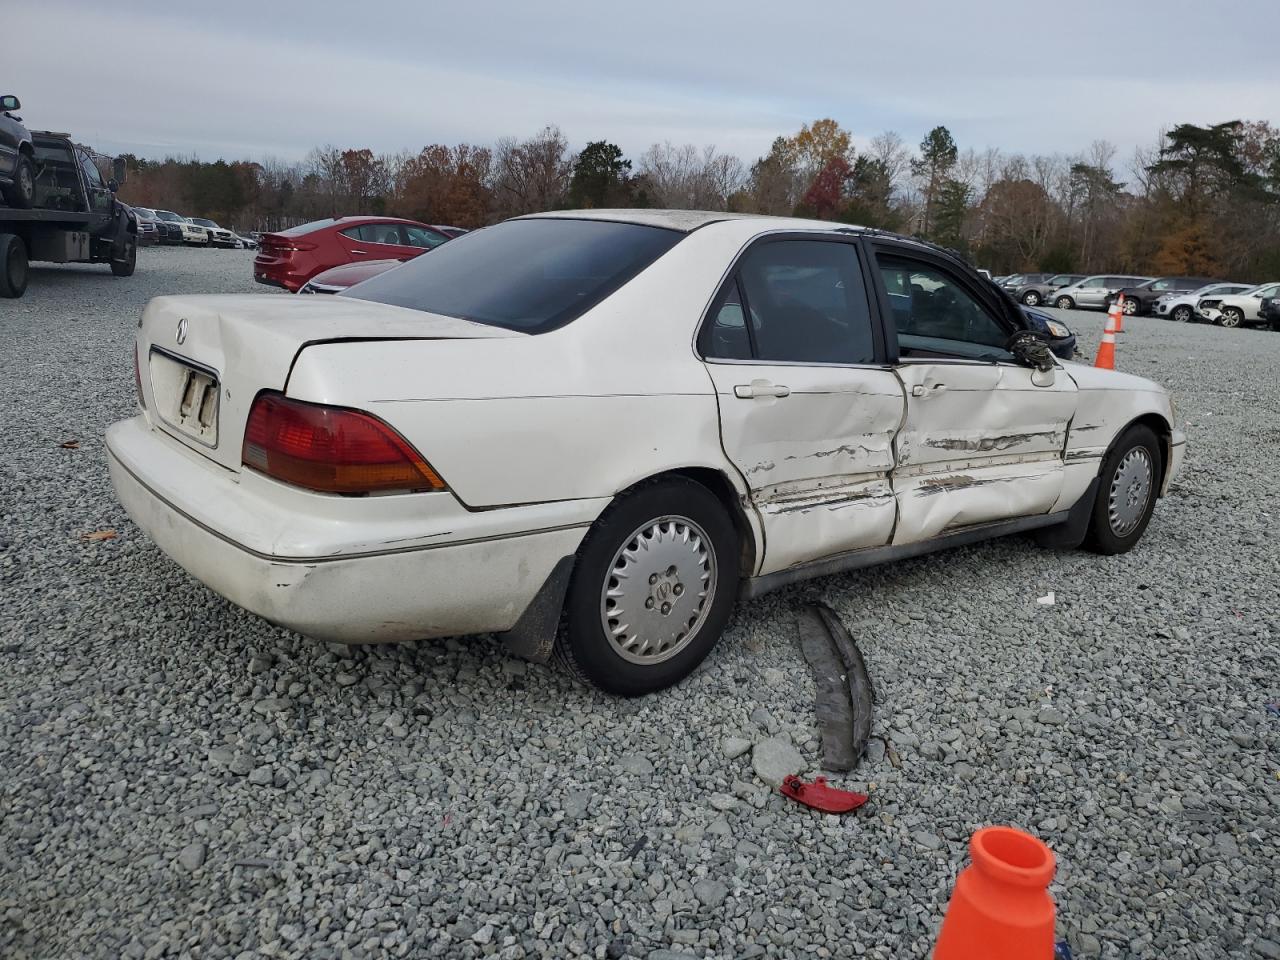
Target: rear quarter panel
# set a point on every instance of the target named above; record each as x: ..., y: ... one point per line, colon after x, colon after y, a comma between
x: 581, y: 412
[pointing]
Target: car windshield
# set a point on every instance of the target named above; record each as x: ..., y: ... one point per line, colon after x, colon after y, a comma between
x: 528, y: 275
x: 166, y: 215
x: 203, y: 223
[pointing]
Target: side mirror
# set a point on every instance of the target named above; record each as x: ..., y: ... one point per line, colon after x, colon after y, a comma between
x: 10, y: 102
x: 112, y: 185
x: 119, y: 170
x: 1031, y: 349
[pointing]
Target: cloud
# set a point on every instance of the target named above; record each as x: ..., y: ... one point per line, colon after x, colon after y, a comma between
x: 242, y: 79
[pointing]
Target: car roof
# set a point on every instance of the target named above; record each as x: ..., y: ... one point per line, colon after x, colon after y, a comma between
x: 686, y: 221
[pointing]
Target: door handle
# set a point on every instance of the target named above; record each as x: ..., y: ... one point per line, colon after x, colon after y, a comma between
x: 360, y: 253
x: 921, y: 390
x: 760, y: 389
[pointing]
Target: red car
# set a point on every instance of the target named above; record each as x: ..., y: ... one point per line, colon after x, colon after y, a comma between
x: 337, y: 279
x: 292, y: 257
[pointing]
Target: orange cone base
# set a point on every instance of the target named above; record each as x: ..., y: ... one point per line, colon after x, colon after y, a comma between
x: 1001, y: 908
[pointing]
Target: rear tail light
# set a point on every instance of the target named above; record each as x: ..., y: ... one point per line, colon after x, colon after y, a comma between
x: 331, y: 449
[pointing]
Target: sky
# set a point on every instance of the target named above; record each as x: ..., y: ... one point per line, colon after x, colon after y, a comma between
x: 241, y: 80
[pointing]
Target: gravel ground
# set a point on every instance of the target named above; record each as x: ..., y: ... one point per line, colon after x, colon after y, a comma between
x: 182, y: 779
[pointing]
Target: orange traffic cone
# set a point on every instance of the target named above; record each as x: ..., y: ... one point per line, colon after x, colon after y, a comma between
x: 1001, y: 908
x: 1106, y: 357
x: 1117, y: 312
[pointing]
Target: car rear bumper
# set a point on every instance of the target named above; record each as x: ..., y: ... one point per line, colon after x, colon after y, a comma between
x: 279, y: 275
x: 323, y: 575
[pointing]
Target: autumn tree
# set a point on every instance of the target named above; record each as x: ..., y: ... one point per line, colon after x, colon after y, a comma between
x: 531, y: 175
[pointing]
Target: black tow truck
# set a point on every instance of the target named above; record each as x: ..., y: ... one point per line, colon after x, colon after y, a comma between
x: 73, y: 217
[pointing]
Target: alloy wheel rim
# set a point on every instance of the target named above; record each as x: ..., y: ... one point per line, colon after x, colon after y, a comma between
x: 1230, y: 318
x: 1032, y: 299
x: 1182, y: 314
x: 1130, y: 491
x: 1130, y: 308
x: 658, y: 590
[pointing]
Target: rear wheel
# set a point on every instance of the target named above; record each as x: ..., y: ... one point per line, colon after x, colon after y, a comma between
x: 1065, y: 303
x: 1182, y: 314
x: 1127, y: 492
x: 22, y: 193
x: 13, y: 265
x: 1031, y: 298
x: 1231, y: 317
x: 125, y: 267
x: 653, y: 586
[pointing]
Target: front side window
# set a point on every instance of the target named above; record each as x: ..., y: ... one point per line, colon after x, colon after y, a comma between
x: 806, y: 303
x: 386, y: 233
x: 90, y: 170
x: 1093, y: 283
x: 936, y: 316
x: 529, y: 275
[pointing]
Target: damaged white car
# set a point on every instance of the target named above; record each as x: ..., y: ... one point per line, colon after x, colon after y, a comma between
x: 592, y: 432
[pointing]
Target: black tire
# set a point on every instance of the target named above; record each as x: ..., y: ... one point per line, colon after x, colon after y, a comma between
x: 1231, y: 317
x: 22, y: 193
x: 1105, y: 536
x: 1181, y: 313
x: 1065, y: 303
x: 1031, y: 298
x: 125, y: 267
x: 585, y: 649
x: 13, y: 266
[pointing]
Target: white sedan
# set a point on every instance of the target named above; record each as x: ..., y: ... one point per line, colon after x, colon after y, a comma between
x: 591, y: 432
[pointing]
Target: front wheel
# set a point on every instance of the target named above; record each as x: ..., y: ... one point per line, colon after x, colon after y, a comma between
x: 1065, y: 303
x: 1127, y: 492
x: 1231, y: 317
x: 13, y: 266
x: 125, y: 266
x: 1031, y: 298
x: 1130, y: 307
x: 653, y: 586
x: 1182, y: 314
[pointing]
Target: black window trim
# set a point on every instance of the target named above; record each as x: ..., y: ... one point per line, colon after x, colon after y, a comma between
x: 732, y: 277
x: 966, y: 278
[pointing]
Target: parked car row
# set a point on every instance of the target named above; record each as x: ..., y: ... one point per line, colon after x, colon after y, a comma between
x: 291, y: 258
x: 167, y: 227
x: 1185, y: 299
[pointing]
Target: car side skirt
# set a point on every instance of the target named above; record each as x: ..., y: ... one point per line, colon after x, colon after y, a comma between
x: 873, y: 556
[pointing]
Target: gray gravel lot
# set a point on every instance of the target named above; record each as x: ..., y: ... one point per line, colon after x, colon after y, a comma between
x: 182, y: 779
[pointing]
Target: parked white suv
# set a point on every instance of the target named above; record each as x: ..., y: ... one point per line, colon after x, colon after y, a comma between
x: 1236, y: 310
x: 193, y: 233
x: 1181, y: 306
x: 218, y: 236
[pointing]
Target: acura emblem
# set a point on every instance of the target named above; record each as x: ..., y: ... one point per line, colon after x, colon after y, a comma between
x: 182, y: 331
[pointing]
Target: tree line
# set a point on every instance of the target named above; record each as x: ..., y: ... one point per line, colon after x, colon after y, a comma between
x: 1201, y: 200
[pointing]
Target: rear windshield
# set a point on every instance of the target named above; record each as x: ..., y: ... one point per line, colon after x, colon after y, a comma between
x: 527, y: 275
x: 302, y: 228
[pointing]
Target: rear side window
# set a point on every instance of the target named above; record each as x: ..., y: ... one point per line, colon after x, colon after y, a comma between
x: 388, y: 233
x: 529, y: 275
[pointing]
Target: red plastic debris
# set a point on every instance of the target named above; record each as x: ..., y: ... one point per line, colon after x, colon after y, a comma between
x: 821, y: 797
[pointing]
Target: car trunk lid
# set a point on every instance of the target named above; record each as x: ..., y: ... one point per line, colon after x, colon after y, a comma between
x: 203, y: 359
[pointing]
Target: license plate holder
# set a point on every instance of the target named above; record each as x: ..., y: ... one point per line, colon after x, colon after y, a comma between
x: 197, y: 408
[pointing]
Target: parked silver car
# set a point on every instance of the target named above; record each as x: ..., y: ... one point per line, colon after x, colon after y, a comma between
x: 1091, y: 293
x: 1032, y: 293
